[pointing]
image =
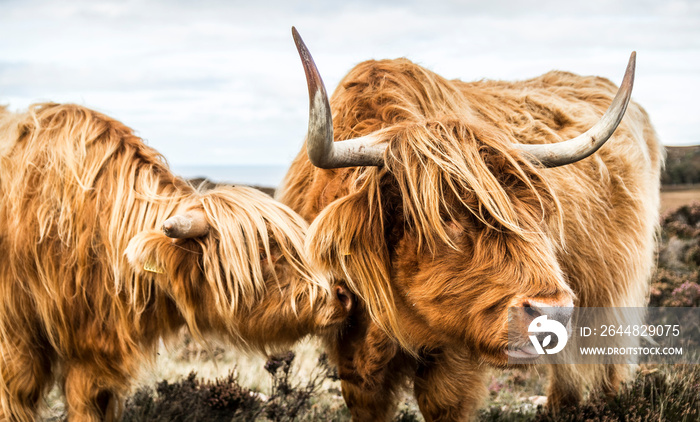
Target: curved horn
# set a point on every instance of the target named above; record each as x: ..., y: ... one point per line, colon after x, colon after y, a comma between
x: 580, y: 147
x: 323, y: 152
x: 185, y: 226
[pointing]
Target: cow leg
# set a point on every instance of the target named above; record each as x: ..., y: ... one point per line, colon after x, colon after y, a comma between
x: 372, y: 370
x: 615, y: 376
x: 88, y: 398
x: 25, y: 374
x: 375, y: 404
x: 375, y: 396
x: 450, y: 386
x: 566, y: 384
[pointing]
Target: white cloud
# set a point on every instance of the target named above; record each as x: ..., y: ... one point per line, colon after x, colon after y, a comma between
x: 224, y: 76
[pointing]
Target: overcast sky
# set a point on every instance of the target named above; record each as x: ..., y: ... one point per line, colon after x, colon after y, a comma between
x: 220, y: 82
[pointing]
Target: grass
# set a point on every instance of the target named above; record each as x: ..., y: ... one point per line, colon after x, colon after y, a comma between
x: 673, y: 198
x: 179, y: 359
x: 658, y: 392
x: 219, y: 383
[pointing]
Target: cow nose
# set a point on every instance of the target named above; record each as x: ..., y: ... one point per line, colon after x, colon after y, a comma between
x: 558, y: 310
x: 344, y: 297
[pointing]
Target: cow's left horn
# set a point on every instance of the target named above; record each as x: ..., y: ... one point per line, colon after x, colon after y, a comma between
x: 323, y: 152
x: 580, y: 147
x: 185, y: 226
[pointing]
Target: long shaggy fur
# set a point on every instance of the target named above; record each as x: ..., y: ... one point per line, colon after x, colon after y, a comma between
x: 458, y: 226
x: 79, y: 193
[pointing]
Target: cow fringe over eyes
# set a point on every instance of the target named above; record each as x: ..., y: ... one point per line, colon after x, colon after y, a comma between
x: 443, y: 165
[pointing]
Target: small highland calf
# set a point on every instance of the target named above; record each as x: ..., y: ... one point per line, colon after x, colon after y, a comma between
x: 89, y: 284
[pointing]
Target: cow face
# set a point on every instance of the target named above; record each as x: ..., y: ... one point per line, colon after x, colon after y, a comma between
x: 482, y: 283
x: 244, y: 272
x: 445, y: 251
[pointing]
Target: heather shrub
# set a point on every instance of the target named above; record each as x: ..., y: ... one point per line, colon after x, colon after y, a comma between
x: 654, y: 395
x: 225, y: 400
x: 683, y: 222
x: 680, y: 238
x: 675, y: 288
x: 677, y: 279
x: 192, y: 399
x: 289, y: 399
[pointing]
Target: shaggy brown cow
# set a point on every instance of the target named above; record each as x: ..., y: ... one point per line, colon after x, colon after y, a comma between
x: 87, y: 286
x: 436, y: 206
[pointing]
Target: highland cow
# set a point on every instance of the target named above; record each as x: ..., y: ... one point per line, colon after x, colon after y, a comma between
x: 88, y: 285
x: 443, y: 204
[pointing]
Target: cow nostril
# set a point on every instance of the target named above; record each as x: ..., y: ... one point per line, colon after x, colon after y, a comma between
x: 344, y: 297
x: 534, y: 308
x: 534, y: 313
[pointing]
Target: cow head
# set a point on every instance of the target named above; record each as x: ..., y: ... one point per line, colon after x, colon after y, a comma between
x: 450, y: 228
x: 233, y: 262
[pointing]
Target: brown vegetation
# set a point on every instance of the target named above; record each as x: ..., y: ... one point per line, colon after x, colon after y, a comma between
x: 676, y: 196
x: 682, y: 166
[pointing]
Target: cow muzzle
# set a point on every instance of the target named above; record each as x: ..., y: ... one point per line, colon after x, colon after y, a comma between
x: 338, y: 308
x: 534, y: 316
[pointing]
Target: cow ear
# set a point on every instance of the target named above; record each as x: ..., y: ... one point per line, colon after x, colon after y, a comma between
x: 348, y: 239
x: 349, y: 230
x: 175, y: 268
x: 153, y: 252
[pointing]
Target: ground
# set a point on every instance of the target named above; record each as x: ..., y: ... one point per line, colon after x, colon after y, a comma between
x: 660, y: 392
x: 674, y: 197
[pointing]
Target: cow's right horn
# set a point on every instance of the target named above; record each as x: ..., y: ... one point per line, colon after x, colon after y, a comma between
x: 185, y: 226
x: 587, y: 143
x: 323, y: 152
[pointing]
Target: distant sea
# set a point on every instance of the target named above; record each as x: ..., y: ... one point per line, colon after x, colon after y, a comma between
x: 257, y: 175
